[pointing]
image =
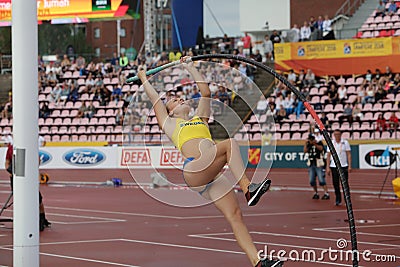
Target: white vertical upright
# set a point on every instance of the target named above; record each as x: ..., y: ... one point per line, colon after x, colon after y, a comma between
x: 118, y: 37
x: 25, y: 131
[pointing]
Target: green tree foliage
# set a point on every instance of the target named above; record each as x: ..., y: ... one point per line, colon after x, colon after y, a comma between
x: 5, y: 40
x: 54, y: 39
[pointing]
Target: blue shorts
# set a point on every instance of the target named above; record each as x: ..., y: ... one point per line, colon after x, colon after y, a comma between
x: 207, y: 185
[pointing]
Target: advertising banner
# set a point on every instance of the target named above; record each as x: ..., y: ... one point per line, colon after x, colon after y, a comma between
x: 283, y: 157
x: 342, y: 48
x: 339, y: 57
x: 379, y: 156
x: 52, y: 9
x: 169, y: 157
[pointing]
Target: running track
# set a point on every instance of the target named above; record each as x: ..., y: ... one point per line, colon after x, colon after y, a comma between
x: 96, y: 225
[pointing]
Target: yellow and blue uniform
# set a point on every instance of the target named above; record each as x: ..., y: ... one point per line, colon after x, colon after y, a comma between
x: 188, y: 130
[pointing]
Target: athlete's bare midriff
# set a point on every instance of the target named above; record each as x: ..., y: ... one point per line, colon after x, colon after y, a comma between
x: 194, y: 147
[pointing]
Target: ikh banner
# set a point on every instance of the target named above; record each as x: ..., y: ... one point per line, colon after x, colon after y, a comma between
x: 378, y: 156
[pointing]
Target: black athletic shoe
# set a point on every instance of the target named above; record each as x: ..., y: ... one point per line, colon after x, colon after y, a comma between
x: 269, y: 263
x: 316, y: 196
x: 47, y: 223
x: 325, y: 197
x: 41, y: 223
x: 256, y: 191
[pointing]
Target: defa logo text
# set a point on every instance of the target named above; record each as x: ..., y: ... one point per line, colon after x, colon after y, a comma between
x: 84, y: 157
x: 380, y: 158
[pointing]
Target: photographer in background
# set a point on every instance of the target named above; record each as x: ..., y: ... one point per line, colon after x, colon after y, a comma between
x: 315, y: 151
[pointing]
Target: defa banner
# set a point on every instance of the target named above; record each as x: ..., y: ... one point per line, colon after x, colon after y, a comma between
x: 378, y: 156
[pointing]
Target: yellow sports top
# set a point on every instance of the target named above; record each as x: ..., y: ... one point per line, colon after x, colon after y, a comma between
x: 188, y: 130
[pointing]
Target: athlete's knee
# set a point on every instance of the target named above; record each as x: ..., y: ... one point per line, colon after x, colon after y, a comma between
x: 235, y: 215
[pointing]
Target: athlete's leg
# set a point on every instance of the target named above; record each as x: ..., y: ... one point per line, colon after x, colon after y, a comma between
x: 213, y: 159
x: 230, y: 149
x: 229, y: 207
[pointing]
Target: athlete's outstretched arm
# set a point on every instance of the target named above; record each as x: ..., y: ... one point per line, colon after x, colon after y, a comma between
x: 204, y: 108
x: 159, y: 107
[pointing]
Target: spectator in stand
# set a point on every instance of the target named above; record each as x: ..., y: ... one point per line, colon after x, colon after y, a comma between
x: 281, y: 114
x: 380, y: 94
x: 257, y: 56
x: 361, y: 94
x: 380, y: 9
x: 223, y: 97
x: 299, y: 108
x: 80, y: 65
x: 195, y: 96
x: 393, y: 122
x: 333, y: 96
x: 305, y: 32
x: 127, y: 98
x: 327, y: 31
x: 7, y: 111
x: 228, y: 43
x: 275, y: 39
x: 119, y: 117
x: 55, y: 94
x: 392, y: 8
x: 163, y: 59
x: 268, y: 48
x: 357, y: 113
x: 369, y: 94
x: 74, y: 93
x: 333, y: 81
x: 381, y: 124
x: 309, y: 79
x: 90, y: 82
x: 52, y: 79
x: 347, y: 115
x: 312, y: 23
x: 221, y: 46
x: 325, y: 121
x: 262, y: 105
x: 114, y: 59
x: 318, y: 136
x: 123, y: 61
x: 296, y: 33
x: 81, y: 111
x: 301, y: 79
x: 90, y: 110
x: 388, y: 74
x: 318, y: 28
x: 65, y: 91
x: 292, y: 78
x: 65, y: 63
x: 378, y: 75
x: 44, y: 111
x: 247, y: 44
x: 116, y: 93
x: 342, y: 94
x: 368, y: 77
